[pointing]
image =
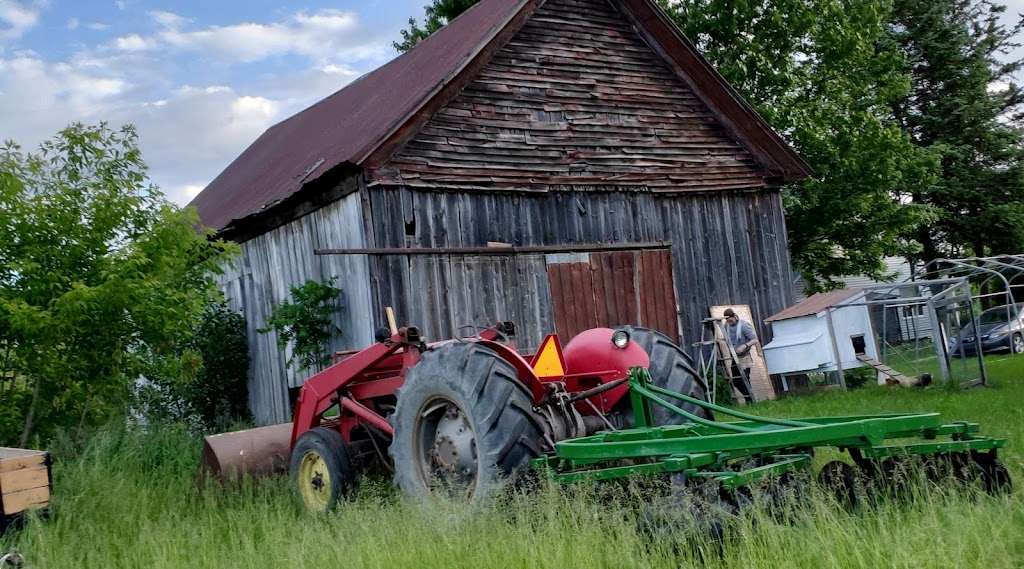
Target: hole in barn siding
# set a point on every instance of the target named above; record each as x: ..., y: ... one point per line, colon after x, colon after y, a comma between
x: 410, y: 231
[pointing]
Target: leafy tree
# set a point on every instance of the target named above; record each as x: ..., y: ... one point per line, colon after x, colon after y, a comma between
x: 305, y: 323
x: 821, y: 73
x: 100, y: 277
x: 437, y: 14
x: 219, y: 393
x: 204, y: 386
x: 961, y: 100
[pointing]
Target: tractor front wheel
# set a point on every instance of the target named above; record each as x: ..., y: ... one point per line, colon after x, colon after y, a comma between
x: 672, y: 369
x: 463, y: 423
x: 321, y: 469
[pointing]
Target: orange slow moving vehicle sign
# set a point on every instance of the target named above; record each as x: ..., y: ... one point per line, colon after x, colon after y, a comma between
x: 549, y: 362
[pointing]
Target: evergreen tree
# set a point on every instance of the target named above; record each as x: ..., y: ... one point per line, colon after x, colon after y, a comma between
x: 961, y: 105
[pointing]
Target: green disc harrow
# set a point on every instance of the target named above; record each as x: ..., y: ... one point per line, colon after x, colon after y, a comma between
x: 750, y: 449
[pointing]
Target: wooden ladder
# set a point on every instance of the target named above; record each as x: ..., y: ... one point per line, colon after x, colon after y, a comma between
x: 886, y: 370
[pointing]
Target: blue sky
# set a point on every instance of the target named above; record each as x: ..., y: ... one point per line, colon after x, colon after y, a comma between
x: 200, y: 80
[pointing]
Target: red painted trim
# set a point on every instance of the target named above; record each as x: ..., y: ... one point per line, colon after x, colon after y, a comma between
x: 367, y: 415
x: 319, y: 390
x: 365, y: 390
x: 526, y: 374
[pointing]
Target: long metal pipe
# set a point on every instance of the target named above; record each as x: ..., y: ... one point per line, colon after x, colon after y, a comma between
x: 499, y: 250
x: 367, y: 415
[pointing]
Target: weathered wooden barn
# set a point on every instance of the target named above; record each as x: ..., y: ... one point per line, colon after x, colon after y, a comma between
x: 633, y: 185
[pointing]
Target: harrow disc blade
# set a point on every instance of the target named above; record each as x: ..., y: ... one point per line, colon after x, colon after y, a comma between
x: 994, y: 475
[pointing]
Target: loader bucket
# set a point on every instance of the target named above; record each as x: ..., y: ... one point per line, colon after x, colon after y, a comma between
x: 263, y: 451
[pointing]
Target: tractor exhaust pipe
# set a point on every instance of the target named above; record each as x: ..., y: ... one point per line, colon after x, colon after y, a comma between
x: 252, y: 453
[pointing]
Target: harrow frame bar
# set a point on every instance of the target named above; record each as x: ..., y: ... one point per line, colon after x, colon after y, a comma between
x: 707, y: 449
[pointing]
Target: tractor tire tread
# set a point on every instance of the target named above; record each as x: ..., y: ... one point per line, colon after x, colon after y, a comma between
x: 487, y: 387
x: 333, y: 448
x: 672, y: 368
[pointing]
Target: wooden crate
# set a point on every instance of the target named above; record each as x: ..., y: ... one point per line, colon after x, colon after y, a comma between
x: 25, y: 483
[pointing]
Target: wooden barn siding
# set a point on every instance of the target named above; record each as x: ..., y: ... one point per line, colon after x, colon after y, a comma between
x: 262, y: 276
x: 575, y: 98
x: 728, y: 247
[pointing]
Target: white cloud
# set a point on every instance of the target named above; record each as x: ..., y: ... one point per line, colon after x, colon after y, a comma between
x: 329, y: 20
x: 133, y: 42
x: 244, y: 108
x: 298, y: 90
x: 196, y: 123
x: 31, y: 85
x: 333, y: 69
x: 188, y: 134
x: 323, y: 35
x: 16, y: 19
x: 167, y: 19
x: 185, y: 192
x: 186, y: 138
x: 95, y: 87
x: 194, y: 133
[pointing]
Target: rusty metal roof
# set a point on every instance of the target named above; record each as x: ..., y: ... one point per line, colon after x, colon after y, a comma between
x: 346, y: 126
x: 375, y: 114
x: 815, y: 304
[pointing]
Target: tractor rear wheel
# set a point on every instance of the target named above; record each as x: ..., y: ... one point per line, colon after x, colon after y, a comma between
x: 321, y: 469
x: 672, y: 369
x: 464, y: 423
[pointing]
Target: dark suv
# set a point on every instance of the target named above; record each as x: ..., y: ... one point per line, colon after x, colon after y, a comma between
x: 1001, y: 330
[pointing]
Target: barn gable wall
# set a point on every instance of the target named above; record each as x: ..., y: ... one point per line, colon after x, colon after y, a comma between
x: 576, y: 98
x: 262, y: 276
x: 575, y: 133
x: 727, y: 247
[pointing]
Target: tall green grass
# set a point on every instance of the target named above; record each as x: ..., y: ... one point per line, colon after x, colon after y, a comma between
x: 130, y: 500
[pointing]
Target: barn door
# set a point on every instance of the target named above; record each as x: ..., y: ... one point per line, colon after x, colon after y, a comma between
x: 590, y: 290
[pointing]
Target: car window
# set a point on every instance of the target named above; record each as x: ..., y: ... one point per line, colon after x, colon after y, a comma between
x: 999, y: 314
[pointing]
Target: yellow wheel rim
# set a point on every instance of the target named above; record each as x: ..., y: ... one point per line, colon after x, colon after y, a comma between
x: 314, y: 482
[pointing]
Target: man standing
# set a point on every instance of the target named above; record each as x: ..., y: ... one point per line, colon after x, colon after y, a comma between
x: 742, y: 338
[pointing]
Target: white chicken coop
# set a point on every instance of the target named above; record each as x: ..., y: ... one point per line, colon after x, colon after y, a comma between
x: 827, y: 332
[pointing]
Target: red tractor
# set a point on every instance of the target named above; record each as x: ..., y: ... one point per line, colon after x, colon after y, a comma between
x: 462, y: 414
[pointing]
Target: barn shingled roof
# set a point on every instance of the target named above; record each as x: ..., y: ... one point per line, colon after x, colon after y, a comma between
x: 349, y: 125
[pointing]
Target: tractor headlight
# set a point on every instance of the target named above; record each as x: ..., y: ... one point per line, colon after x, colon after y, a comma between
x: 621, y: 339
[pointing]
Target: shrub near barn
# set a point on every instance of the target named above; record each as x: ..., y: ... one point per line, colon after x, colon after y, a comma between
x: 101, y: 280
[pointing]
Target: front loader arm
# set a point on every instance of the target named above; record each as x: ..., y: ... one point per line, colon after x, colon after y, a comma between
x: 322, y: 391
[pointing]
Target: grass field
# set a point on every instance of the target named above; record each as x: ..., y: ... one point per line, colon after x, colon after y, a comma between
x: 130, y: 501
x: 916, y: 358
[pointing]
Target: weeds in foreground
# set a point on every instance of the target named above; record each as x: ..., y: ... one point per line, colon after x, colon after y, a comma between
x: 131, y: 500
